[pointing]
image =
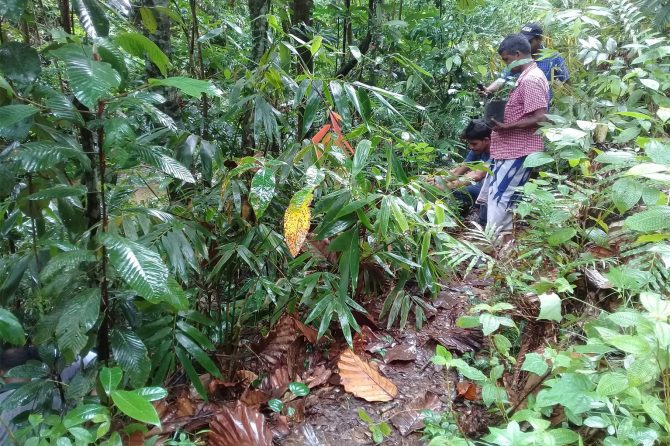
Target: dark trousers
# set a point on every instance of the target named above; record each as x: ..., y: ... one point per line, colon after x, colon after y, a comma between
x: 466, y: 197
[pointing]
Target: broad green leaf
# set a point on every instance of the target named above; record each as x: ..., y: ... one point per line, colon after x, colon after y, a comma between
x: 658, y: 151
x: 58, y: 191
x: 207, y: 155
x: 79, y: 316
x: 110, y: 378
x: 141, y: 46
x: 140, y: 267
x: 42, y: 155
x: 152, y: 393
x: 561, y: 236
x: 650, y: 220
x: 191, y: 87
x: 262, y: 190
x: 276, y: 405
x: 164, y: 163
x: 650, y: 83
x: 467, y: 370
x: 340, y: 100
x: 535, y: 363
x: 468, y: 5
x: 19, y: 62
x: 492, y: 393
x: 489, y: 322
x: 82, y: 414
x: 538, y: 159
x: 398, y: 214
x: 90, y: 80
x: 135, y: 406
x: 550, y: 307
x: 298, y: 389
x: 92, y: 17
x: 11, y: 330
x: 635, y: 345
x: 612, y: 384
x: 62, y: 108
x: 626, y: 193
x: 641, y: 372
x: 191, y: 373
x: 131, y: 355
x: 363, y: 150
x: 66, y: 260
x: 13, y: 114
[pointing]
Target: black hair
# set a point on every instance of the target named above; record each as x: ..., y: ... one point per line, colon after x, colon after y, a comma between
x: 515, y: 43
x: 476, y: 129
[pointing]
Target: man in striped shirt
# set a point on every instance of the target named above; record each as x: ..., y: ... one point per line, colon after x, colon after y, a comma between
x: 516, y: 137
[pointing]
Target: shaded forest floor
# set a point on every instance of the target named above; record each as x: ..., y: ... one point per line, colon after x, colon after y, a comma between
x: 243, y: 407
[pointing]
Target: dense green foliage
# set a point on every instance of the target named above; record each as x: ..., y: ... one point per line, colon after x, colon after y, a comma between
x: 161, y: 171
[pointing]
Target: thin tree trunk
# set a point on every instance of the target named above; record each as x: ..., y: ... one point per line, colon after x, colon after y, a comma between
x: 302, y: 22
x: 258, y: 10
x: 368, y: 40
x: 65, y: 17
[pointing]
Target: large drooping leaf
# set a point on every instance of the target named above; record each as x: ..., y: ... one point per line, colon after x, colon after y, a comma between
x: 262, y: 190
x: 11, y: 330
x: 164, y: 163
x: 140, y: 267
x: 41, y: 155
x: 140, y: 46
x: 90, y: 80
x: 110, y: 52
x: 78, y: 317
x: 359, y: 378
x: 131, y: 354
x: 135, y: 406
x: 297, y: 220
x: 12, y: 9
x: 92, y: 17
x: 13, y: 114
x: 653, y: 219
x: 19, y: 62
x: 188, y: 86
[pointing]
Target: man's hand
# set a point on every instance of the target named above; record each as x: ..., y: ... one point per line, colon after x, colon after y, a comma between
x: 502, y: 126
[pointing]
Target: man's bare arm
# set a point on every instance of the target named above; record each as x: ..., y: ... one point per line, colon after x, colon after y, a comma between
x: 530, y: 120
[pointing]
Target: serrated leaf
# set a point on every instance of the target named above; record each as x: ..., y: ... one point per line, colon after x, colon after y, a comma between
x: 11, y: 330
x: 262, y: 190
x: 110, y: 378
x: 131, y: 355
x: 535, y: 363
x: 297, y: 221
x: 19, y: 62
x: 13, y: 114
x: 141, y: 46
x: 92, y: 17
x: 135, y: 406
x: 165, y: 164
x: 191, y: 87
x: 550, y: 307
x: 141, y: 268
x: 612, y: 384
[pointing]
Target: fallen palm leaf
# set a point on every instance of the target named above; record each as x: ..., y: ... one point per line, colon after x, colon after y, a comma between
x: 360, y: 379
x: 319, y: 377
x: 254, y: 398
x: 275, y: 346
x: 239, y: 426
x: 409, y: 419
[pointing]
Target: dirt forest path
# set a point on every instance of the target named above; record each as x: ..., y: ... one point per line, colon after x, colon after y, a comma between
x: 331, y: 415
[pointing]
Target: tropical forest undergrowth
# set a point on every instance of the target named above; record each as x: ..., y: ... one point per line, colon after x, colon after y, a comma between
x: 223, y: 223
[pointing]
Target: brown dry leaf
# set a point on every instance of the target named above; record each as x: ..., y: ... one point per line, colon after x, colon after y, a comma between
x: 185, y: 407
x: 246, y: 376
x: 467, y: 390
x: 319, y: 376
x: 296, y: 357
x: 400, y: 353
x: 276, y: 344
x: 298, y: 407
x: 135, y: 439
x: 409, y: 418
x: 239, y: 426
x: 254, y: 398
x: 459, y: 339
x: 279, y: 426
x: 362, y: 380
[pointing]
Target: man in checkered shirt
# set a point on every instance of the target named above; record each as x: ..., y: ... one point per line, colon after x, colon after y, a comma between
x: 515, y: 138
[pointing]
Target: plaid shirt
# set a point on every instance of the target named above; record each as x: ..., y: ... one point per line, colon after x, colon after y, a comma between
x: 529, y: 95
